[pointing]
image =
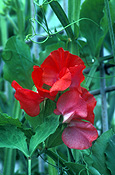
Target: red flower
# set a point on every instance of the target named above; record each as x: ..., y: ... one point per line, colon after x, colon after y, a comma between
x: 59, y: 71
x: 76, y: 107
x: 29, y: 100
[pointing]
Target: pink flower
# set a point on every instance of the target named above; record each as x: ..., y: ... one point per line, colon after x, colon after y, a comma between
x: 79, y: 134
x: 77, y: 110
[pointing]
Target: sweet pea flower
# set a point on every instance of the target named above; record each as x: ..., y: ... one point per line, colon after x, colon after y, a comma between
x: 77, y: 110
x: 29, y: 100
x: 59, y: 71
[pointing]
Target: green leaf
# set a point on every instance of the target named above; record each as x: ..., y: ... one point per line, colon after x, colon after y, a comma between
x: 35, y: 121
x: 55, y: 139
x: 56, y: 7
x: 93, y: 171
x: 43, y: 131
x: 77, y: 168
x: 93, y: 10
x: 110, y: 154
x: 104, y: 21
x: 60, y: 161
x: 12, y: 137
x: 7, y: 120
x: 89, y: 77
x: 82, y: 169
x: 39, y: 119
x: 98, y: 153
x: 18, y: 62
x: 49, y: 107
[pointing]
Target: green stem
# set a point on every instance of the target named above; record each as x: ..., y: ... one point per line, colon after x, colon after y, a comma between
x: 4, y: 33
x: 9, y: 161
x: 70, y: 155
x: 12, y: 23
x: 76, y: 10
x: 76, y: 154
x: 20, y: 18
x: 29, y: 166
x: 73, y: 15
x: 70, y: 10
x: 51, y: 169
x: 112, y: 37
x: 17, y: 112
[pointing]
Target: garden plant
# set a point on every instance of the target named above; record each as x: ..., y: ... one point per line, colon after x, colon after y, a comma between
x: 57, y: 87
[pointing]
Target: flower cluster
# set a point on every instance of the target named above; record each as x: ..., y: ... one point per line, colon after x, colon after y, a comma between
x: 62, y: 71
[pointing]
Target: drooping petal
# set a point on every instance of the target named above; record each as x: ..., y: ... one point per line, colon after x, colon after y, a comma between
x: 76, y: 76
x: 29, y: 100
x: 79, y: 135
x: 37, y: 76
x: 71, y: 103
x: 91, y: 103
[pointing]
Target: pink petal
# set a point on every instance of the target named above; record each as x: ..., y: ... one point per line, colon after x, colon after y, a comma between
x: 79, y: 135
x: 76, y: 75
x: 71, y: 102
x: 91, y: 103
x: 29, y: 100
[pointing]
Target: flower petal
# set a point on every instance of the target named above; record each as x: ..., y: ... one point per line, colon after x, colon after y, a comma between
x: 71, y: 103
x: 37, y: 76
x: 91, y: 103
x: 29, y: 100
x: 79, y: 135
x: 76, y: 76
x: 55, y: 62
x: 63, y: 83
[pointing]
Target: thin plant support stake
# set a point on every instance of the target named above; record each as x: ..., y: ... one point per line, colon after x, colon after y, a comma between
x: 103, y: 99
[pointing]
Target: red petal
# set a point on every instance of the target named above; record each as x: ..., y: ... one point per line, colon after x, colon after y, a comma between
x: 37, y: 76
x: 79, y: 135
x: 71, y: 103
x: 77, y: 75
x: 63, y: 83
x: 29, y: 100
x: 91, y: 103
x: 55, y: 62
x: 46, y: 93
